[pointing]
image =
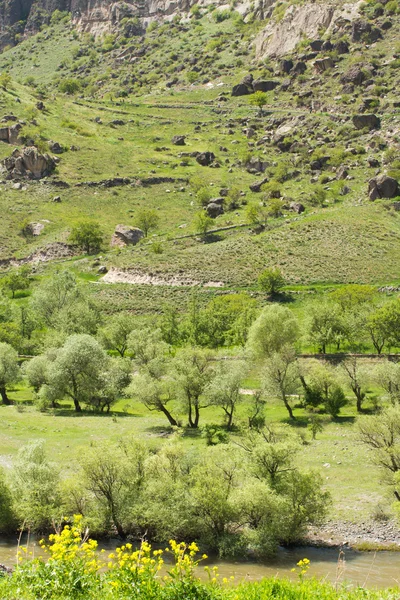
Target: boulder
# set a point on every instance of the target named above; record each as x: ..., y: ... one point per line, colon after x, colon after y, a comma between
x: 373, y: 162
x: 316, y: 45
x: 297, y: 207
x: 327, y: 46
x: 261, y: 85
x: 353, y: 75
x: 241, y: 90
x: 40, y: 105
x: 286, y: 66
x: 9, y: 135
x: 342, y: 47
x: 323, y: 64
x: 300, y: 68
x: 28, y: 163
x: 178, y: 140
x: 126, y: 236
x: 256, y: 186
x: 382, y: 186
x: 35, y: 229
x: 256, y: 165
x: 214, y: 210
x: 366, y: 121
x: 102, y: 270
x: 55, y: 147
x: 363, y: 31
x: 342, y: 172
x: 117, y: 122
x: 205, y: 158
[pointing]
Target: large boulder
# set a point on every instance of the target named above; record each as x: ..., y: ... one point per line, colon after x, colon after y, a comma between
x: 354, y: 75
x: 9, y: 135
x: 178, y: 140
x: 126, y: 236
x: 28, y: 163
x: 205, y: 158
x: 323, y: 64
x: 382, y: 186
x: 215, y: 208
x: 366, y: 122
x: 55, y: 147
x: 261, y: 85
x: 245, y: 87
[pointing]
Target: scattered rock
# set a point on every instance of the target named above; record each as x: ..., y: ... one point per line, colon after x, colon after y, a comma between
x: 354, y: 75
x: 214, y: 209
x: 261, y: 85
x: 323, y: 64
x: 205, y: 158
x: 117, y: 122
x: 382, y: 186
x: 40, y: 105
x: 124, y: 236
x: 373, y: 162
x: 178, y: 140
x: 297, y: 207
x: 10, y: 134
x: 35, y: 228
x: 102, y: 270
x: 366, y: 121
x: 256, y: 186
x: 57, y: 199
x: 55, y: 147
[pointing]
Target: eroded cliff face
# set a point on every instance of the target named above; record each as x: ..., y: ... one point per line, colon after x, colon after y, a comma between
x: 24, y: 17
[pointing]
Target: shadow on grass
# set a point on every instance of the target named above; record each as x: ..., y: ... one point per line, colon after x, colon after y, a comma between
x: 160, y: 431
x: 211, y: 238
x: 67, y: 411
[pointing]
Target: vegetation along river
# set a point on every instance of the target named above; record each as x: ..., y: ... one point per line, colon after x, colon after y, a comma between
x: 366, y: 569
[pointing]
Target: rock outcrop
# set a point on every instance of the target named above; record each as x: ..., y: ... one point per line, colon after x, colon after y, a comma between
x: 10, y: 134
x: 28, y: 163
x: 126, y: 236
x: 382, y: 186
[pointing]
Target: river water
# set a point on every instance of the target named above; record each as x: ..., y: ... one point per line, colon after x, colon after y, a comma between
x: 367, y: 569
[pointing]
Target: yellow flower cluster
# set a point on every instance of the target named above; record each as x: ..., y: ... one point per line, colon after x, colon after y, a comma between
x: 304, y: 565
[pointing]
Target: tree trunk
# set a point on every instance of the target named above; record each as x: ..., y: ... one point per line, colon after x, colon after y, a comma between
x: 288, y: 407
x: 190, y: 419
x: 196, y: 416
x: 77, y: 406
x: 4, y: 397
x: 169, y: 416
x: 116, y: 522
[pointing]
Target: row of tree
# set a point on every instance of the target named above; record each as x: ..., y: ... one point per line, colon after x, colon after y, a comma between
x: 230, y: 497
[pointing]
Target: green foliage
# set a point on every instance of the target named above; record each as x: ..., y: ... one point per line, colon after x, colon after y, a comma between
x: 202, y: 223
x: 258, y: 99
x: 271, y: 281
x: 5, y: 81
x: 147, y: 219
x: 17, y: 280
x: 69, y: 86
x: 88, y: 236
x: 275, y: 328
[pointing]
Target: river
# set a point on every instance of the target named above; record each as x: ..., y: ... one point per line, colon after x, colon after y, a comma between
x: 367, y: 569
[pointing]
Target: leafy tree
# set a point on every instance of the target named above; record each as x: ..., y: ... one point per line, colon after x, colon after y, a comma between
x: 155, y: 391
x: 271, y: 450
x: 387, y: 375
x: 147, y: 346
x: 325, y: 325
x: 224, y: 389
x: 356, y: 377
x: 17, y: 280
x: 202, y: 223
x: 257, y: 214
x: 271, y: 281
x: 34, y: 485
x: 352, y: 296
x: 147, y: 219
x: 377, y: 329
x: 7, y: 516
x: 258, y: 99
x: 88, y: 236
x: 281, y: 376
x: 9, y: 370
x: 77, y: 371
x: 275, y: 328
x: 382, y: 435
x: 170, y: 325
x: 69, y: 86
x: 55, y: 294
x: 194, y: 372
x: 111, y: 475
x: 387, y: 322
x: 115, y: 335
x: 113, y: 381
x: 36, y: 371
x: 324, y: 388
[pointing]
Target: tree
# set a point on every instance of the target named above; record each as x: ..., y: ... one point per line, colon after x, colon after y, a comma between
x: 202, y: 223
x: 110, y: 475
x: 352, y: 296
x: 275, y: 328
x: 115, y: 335
x: 7, y: 516
x: 325, y: 325
x: 281, y: 376
x: 258, y: 99
x: 77, y: 371
x: 225, y: 389
x: 323, y: 388
x: 384, y: 325
x: 155, y: 392
x: 356, y: 378
x: 34, y: 485
x: 194, y: 372
x: 257, y: 214
x: 271, y: 281
x: 17, y: 280
x: 9, y: 370
x: 112, y: 383
x: 147, y: 219
x: 70, y: 86
x: 377, y: 330
x: 55, y: 294
x: 36, y: 371
x: 382, y: 435
x: 387, y: 375
x: 88, y: 236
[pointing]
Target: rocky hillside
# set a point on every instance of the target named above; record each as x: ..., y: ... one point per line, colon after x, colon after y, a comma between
x: 158, y: 109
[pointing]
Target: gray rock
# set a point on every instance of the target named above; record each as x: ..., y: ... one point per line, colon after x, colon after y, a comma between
x: 214, y: 210
x: 261, y: 85
x: 102, y: 270
x: 178, y: 140
x: 125, y: 236
x: 366, y: 121
x: 205, y: 158
x: 382, y: 186
x: 297, y: 207
x: 55, y: 147
x: 28, y: 163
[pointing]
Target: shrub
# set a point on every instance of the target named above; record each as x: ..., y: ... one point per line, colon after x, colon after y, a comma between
x: 69, y: 86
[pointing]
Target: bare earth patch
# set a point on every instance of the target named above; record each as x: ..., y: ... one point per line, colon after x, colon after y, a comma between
x: 140, y: 278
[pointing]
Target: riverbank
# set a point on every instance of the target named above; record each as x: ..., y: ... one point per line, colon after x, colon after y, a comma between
x: 366, y: 536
